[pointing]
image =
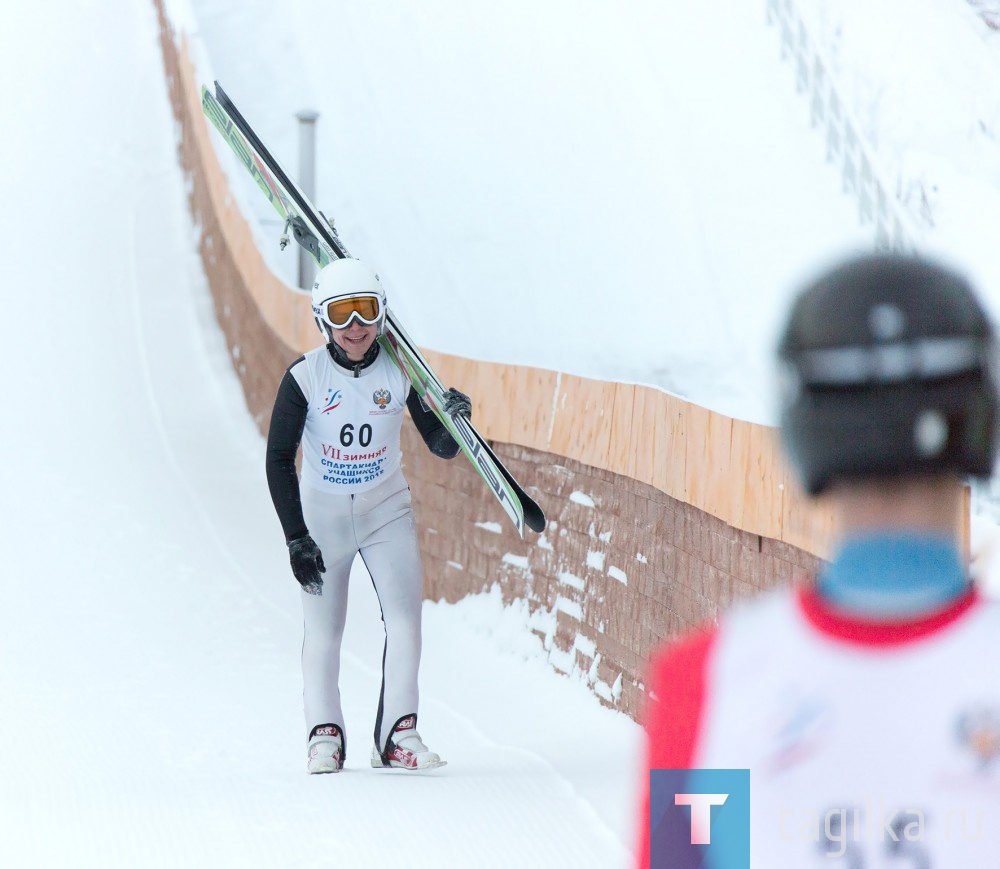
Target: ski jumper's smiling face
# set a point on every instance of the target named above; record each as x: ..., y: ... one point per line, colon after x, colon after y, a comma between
x: 355, y: 339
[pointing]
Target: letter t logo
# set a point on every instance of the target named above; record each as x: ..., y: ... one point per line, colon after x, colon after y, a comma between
x: 701, y: 814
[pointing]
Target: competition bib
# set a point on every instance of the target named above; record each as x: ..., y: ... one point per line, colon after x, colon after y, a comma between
x: 351, y: 437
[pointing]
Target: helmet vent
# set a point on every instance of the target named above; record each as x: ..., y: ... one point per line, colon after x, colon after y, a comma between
x: 887, y: 322
x: 930, y: 433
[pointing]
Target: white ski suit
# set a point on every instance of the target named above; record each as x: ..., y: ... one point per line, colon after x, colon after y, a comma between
x: 352, y: 498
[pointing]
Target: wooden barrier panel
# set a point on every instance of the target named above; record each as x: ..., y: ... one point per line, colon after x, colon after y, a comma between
x: 582, y: 420
x: 763, y: 493
x: 622, y: 427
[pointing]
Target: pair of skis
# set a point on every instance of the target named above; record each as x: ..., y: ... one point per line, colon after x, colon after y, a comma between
x: 311, y: 229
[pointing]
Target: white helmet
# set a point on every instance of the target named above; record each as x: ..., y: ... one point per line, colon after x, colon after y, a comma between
x: 347, y: 290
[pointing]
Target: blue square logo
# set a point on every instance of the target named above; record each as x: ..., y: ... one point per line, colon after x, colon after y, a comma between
x: 699, y: 819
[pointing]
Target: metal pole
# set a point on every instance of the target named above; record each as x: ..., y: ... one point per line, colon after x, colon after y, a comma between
x: 307, y: 183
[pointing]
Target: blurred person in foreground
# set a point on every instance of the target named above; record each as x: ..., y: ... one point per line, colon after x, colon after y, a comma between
x: 865, y: 702
x: 344, y: 403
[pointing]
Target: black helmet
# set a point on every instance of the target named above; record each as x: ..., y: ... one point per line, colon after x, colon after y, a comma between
x: 887, y: 370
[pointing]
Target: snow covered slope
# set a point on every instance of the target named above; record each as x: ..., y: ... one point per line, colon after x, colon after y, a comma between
x: 150, y: 628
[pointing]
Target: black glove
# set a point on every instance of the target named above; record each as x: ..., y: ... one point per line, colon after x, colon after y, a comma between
x: 457, y: 404
x: 307, y: 563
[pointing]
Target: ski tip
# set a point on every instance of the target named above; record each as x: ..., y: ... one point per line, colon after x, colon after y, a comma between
x: 534, y: 518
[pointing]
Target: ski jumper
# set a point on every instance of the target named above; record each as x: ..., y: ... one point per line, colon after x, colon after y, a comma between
x: 352, y: 498
x: 868, y: 744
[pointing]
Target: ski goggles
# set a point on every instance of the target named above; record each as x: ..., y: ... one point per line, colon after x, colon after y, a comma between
x: 339, y: 313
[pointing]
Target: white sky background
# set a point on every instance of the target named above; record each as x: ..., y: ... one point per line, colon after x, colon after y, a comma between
x: 149, y: 628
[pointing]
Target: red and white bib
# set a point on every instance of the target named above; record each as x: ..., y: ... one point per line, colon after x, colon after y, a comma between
x: 869, y: 746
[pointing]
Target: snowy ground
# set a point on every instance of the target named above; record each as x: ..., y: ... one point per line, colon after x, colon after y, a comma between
x: 150, y: 629
x: 624, y: 191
